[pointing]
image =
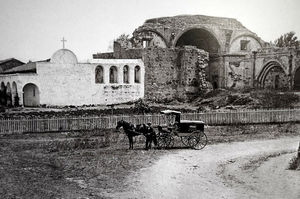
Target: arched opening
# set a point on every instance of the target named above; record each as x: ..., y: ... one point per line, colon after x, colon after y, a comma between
x: 113, y: 75
x: 137, y: 74
x: 15, y: 96
x: 3, y: 94
x: 297, y: 80
x: 99, y: 76
x: 31, y: 95
x: 272, y: 76
x: 126, y: 74
x: 200, y: 38
x: 8, y: 95
x: 206, y: 40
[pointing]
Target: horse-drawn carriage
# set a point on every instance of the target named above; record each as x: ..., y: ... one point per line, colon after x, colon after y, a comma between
x: 190, y: 132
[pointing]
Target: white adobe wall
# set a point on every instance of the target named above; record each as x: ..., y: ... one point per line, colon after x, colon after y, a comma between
x: 21, y: 80
x: 74, y: 84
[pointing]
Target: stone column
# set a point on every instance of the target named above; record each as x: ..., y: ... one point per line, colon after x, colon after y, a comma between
x: 120, y: 74
x: 106, y: 74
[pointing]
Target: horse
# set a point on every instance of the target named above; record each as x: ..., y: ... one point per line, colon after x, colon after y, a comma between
x: 140, y: 129
x: 129, y: 130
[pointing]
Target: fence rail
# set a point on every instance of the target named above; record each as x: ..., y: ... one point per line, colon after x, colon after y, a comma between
x: 89, y: 123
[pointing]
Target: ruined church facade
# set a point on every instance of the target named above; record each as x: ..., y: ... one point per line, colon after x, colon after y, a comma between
x: 236, y: 57
x: 168, y: 58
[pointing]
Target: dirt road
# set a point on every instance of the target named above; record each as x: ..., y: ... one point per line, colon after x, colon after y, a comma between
x: 254, y: 169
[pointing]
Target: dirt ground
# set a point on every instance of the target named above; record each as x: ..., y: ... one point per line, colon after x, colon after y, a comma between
x: 99, y: 166
x: 253, y: 169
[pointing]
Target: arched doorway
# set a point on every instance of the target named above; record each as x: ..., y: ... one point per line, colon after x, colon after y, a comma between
x: 272, y: 76
x: 31, y: 95
x: 15, y: 96
x: 8, y: 95
x: 205, y: 40
x: 3, y: 94
x: 297, y: 80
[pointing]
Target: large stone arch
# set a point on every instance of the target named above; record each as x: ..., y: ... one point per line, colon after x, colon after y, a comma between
x: 200, y: 37
x: 246, y: 35
x: 31, y: 95
x: 152, y: 36
x: 205, y: 39
x: 273, y: 76
x: 297, y: 79
x: 254, y: 47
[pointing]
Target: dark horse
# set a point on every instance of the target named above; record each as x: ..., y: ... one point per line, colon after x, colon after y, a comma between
x: 143, y: 129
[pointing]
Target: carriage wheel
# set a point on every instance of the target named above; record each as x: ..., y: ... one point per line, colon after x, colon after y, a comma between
x: 163, y: 141
x: 197, y: 140
x: 171, y: 142
x: 185, y: 140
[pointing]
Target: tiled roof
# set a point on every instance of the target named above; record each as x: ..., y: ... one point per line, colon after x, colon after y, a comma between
x: 25, y: 68
x: 10, y: 59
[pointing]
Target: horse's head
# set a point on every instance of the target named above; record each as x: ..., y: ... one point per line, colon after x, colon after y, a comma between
x: 120, y: 124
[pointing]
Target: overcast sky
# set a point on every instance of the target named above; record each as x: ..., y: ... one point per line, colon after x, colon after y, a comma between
x: 33, y: 29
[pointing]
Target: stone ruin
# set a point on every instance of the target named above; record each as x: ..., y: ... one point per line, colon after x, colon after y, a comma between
x: 187, y: 55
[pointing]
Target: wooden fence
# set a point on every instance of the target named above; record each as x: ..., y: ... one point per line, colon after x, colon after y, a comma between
x: 15, y: 126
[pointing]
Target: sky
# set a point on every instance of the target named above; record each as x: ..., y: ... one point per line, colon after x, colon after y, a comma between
x: 33, y: 29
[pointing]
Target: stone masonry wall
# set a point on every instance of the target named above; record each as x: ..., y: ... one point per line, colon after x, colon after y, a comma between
x: 170, y: 72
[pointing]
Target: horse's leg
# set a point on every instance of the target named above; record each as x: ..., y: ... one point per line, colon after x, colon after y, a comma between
x: 146, y: 143
x: 147, y: 140
x: 150, y: 142
x: 130, y: 142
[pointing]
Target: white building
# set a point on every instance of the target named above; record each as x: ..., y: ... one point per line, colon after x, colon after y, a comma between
x: 62, y: 80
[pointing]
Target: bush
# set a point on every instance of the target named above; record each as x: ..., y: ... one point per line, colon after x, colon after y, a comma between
x: 294, y: 163
x: 142, y: 107
x: 2, y: 109
x: 274, y: 99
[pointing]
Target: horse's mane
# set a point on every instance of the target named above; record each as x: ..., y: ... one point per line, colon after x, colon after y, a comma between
x: 125, y: 124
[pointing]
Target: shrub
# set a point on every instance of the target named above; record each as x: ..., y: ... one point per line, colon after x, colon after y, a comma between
x: 274, y: 99
x: 294, y: 163
x: 141, y: 107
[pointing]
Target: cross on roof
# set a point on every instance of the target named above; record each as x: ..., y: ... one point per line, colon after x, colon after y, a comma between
x: 63, y: 41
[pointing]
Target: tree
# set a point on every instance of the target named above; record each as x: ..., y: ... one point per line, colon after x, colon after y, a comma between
x: 287, y: 40
x: 124, y: 41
